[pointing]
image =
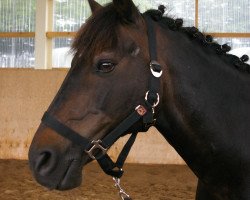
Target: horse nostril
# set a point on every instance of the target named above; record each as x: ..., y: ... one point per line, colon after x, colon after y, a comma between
x: 45, y: 162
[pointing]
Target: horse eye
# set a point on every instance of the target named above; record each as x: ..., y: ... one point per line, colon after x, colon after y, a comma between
x: 105, y: 66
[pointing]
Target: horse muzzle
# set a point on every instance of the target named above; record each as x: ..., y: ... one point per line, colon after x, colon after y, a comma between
x: 56, y: 167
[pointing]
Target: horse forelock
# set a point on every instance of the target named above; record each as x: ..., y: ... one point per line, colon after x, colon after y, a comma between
x: 98, y: 33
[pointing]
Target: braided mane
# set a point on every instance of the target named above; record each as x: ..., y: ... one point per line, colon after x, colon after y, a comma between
x: 194, y: 34
x: 100, y: 33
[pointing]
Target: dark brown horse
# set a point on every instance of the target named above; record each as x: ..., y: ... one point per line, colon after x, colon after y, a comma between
x: 204, y: 109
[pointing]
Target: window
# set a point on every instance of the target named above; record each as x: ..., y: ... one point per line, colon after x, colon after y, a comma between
x: 17, y: 52
x: 228, y: 16
x: 17, y: 16
x: 68, y: 16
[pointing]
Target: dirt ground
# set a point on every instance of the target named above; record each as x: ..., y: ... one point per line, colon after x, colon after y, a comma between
x: 142, y: 182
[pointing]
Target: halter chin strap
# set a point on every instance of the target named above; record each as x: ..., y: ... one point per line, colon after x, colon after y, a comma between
x: 97, y: 149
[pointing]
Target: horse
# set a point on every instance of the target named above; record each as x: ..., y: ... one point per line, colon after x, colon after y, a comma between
x: 131, y: 71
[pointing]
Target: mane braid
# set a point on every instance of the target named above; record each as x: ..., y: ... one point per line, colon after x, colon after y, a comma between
x: 206, y: 40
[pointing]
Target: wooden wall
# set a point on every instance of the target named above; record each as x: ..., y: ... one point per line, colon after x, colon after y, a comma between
x: 24, y: 96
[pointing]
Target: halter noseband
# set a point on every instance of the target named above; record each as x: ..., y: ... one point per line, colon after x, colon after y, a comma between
x: 97, y: 149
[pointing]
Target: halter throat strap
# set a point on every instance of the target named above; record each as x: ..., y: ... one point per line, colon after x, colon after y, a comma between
x: 97, y: 149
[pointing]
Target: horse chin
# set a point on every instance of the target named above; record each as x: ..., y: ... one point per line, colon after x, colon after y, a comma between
x: 67, y: 178
x: 72, y: 177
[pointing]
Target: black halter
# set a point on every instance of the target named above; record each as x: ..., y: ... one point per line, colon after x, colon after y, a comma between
x: 98, y: 149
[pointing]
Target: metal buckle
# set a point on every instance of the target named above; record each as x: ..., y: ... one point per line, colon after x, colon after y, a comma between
x: 155, y: 73
x: 96, y: 145
x: 156, y: 103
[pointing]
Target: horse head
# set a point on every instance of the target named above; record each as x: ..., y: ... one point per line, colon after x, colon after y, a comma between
x: 107, y: 80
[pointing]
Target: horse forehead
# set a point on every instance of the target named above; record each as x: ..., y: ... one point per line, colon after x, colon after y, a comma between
x: 133, y: 34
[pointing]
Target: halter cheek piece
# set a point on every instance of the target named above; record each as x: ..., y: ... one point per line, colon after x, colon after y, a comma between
x: 97, y: 149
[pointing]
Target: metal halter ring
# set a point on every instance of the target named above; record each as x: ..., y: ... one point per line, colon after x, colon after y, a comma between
x: 156, y: 103
x: 96, y: 145
x: 152, y: 64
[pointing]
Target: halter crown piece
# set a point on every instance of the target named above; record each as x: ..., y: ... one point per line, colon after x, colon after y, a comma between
x: 97, y: 149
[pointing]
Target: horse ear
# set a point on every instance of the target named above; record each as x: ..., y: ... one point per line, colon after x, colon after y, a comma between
x: 94, y: 6
x: 127, y: 10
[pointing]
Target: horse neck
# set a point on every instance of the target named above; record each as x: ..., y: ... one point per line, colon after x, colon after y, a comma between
x: 205, y: 100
